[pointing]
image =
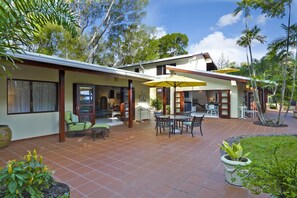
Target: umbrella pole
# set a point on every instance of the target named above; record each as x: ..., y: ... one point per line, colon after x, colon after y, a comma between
x: 174, y: 105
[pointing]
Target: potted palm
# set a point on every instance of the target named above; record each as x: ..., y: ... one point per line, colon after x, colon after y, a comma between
x: 233, y: 161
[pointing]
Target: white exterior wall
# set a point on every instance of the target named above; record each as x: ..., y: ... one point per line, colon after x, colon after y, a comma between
x: 39, y: 124
x: 215, y: 84
x: 196, y: 63
x: 30, y: 124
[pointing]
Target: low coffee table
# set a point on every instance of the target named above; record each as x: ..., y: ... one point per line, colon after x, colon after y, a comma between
x: 102, y: 129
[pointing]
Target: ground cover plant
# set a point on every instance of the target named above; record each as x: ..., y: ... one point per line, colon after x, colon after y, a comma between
x: 274, y: 167
x: 261, y: 148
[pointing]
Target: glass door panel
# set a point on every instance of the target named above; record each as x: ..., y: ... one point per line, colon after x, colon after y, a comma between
x: 224, y: 103
x: 84, y: 102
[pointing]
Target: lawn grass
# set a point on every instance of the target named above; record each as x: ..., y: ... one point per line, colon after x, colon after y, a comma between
x: 262, y: 148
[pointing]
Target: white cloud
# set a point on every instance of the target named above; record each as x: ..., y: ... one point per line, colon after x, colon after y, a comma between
x: 228, y: 19
x: 160, y: 32
x: 216, y: 44
x: 261, y: 19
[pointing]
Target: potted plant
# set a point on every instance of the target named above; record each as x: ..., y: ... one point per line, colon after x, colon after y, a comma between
x: 5, y: 136
x: 156, y: 103
x: 233, y: 162
x: 30, y: 178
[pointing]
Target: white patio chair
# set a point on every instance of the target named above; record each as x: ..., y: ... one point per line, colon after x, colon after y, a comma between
x: 211, y: 110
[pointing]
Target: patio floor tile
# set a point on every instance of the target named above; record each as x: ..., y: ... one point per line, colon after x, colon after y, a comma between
x: 134, y: 162
x: 102, y: 193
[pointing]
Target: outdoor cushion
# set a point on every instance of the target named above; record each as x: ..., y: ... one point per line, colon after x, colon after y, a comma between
x: 101, y: 126
x: 74, y: 118
x: 73, y: 123
x: 187, y: 123
x: 68, y: 117
x: 88, y: 125
x: 80, y: 126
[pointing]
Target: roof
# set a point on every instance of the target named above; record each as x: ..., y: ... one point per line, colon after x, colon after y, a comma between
x: 41, y: 58
x: 215, y: 75
x: 205, y: 55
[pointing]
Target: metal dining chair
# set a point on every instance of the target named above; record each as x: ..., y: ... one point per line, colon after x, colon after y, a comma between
x: 157, y: 114
x: 195, y: 122
x: 162, y: 123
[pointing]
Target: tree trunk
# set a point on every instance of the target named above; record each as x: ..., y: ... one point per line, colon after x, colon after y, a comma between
x: 287, y: 61
x: 97, y: 35
x: 261, y: 116
x: 285, y: 69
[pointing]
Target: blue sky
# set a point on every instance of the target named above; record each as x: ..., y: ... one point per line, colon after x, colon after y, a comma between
x: 210, y: 26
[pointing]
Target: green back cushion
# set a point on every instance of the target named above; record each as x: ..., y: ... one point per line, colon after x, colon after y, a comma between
x: 74, y: 118
x: 68, y: 117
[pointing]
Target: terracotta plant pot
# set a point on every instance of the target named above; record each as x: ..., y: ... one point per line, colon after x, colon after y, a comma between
x: 5, y: 136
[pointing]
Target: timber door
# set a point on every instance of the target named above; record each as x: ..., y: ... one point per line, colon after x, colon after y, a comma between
x: 84, y: 102
x: 124, y: 107
x: 224, y: 104
x: 179, y: 102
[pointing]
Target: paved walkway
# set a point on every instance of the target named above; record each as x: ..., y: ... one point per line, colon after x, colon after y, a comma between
x: 135, y: 163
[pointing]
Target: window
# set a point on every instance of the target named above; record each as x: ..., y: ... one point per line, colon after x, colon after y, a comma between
x: 136, y: 70
x: 31, y: 96
x: 161, y: 69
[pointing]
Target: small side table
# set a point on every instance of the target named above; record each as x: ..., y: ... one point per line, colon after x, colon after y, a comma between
x: 102, y: 129
x: 242, y: 112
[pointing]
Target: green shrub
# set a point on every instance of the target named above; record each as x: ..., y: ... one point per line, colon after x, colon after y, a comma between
x: 157, y: 103
x: 167, y: 109
x: 25, y: 177
x: 272, y: 106
x: 277, y: 177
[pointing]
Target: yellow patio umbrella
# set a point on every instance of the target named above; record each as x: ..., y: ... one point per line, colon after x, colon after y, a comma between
x: 226, y: 70
x: 175, y: 81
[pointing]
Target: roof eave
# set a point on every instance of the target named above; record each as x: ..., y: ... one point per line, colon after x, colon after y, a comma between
x: 80, y: 65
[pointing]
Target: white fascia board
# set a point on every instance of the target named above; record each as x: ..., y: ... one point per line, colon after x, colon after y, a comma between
x: 226, y: 75
x: 161, y: 60
x: 81, y: 65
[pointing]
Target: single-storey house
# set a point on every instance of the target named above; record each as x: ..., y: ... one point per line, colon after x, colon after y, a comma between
x: 34, y: 100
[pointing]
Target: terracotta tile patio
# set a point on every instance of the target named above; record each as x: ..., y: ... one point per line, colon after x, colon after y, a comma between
x: 135, y: 163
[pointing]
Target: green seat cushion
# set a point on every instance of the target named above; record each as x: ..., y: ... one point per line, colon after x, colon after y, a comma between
x: 187, y: 123
x: 80, y: 126
x: 106, y: 126
x: 88, y: 125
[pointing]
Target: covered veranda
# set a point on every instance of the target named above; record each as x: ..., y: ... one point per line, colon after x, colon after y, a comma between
x: 133, y: 162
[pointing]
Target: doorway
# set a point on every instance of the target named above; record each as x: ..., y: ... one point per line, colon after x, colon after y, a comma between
x: 102, y: 104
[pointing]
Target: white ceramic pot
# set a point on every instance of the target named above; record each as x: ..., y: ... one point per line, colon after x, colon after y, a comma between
x: 231, y: 170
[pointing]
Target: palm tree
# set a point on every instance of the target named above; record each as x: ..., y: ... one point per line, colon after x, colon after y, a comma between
x: 244, y: 6
x: 248, y: 36
x: 20, y: 20
x: 281, y: 47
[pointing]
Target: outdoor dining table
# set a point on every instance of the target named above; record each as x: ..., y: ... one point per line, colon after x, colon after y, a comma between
x: 175, y: 119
